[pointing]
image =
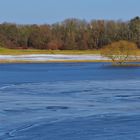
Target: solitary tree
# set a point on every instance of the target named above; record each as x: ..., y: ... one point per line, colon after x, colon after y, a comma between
x: 120, y: 52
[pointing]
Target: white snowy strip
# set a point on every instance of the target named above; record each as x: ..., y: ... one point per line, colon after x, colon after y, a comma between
x: 50, y: 57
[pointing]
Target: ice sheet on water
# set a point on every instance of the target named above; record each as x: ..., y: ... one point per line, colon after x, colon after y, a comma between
x: 29, y: 108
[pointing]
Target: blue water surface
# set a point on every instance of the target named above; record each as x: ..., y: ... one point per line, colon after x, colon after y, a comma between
x: 69, y: 101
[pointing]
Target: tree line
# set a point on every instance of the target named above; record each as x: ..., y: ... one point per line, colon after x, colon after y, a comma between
x: 71, y: 34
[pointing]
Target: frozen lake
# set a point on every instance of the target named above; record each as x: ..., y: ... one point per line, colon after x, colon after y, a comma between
x: 71, y: 101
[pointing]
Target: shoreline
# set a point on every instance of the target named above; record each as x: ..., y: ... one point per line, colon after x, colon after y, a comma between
x: 51, y: 58
x: 45, y: 62
x: 55, y: 58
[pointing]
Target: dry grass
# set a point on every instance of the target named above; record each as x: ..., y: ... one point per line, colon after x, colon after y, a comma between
x: 4, y: 51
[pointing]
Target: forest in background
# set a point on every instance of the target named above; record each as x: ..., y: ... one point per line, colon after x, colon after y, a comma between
x: 71, y: 34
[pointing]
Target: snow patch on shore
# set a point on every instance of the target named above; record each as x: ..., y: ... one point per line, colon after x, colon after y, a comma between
x: 50, y: 57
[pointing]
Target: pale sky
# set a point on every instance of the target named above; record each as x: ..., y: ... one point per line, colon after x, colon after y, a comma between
x: 51, y: 11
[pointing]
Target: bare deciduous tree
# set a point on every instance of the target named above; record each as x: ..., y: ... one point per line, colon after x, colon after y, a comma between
x: 120, y: 52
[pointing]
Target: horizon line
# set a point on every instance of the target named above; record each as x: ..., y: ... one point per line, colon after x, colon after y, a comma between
x: 70, y: 18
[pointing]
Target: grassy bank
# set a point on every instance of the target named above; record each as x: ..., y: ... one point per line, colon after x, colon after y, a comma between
x: 4, y: 51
